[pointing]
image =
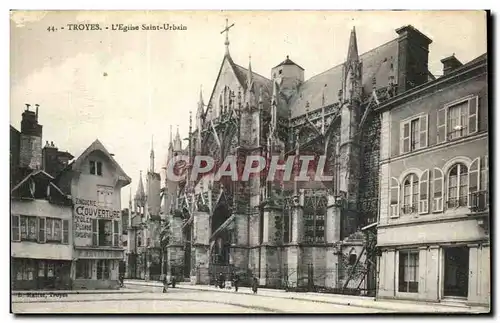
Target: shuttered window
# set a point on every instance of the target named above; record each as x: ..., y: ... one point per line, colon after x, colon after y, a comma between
x: 413, y: 134
x: 95, y: 232
x: 394, y: 198
x: 65, y: 232
x: 16, y: 228
x: 458, y: 119
x: 41, y: 230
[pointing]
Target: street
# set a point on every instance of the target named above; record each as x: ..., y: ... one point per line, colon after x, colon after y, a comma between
x: 175, y: 301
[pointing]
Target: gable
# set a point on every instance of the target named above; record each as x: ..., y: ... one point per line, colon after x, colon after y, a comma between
x: 234, y: 77
x: 39, y: 185
x: 97, y: 151
x: 227, y: 78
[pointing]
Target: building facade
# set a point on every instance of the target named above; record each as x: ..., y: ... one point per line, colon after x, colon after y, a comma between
x: 41, y: 215
x: 144, y: 254
x: 294, y: 233
x: 433, y: 229
x: 95, y: 180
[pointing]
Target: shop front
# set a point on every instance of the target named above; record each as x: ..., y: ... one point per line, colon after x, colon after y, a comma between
x: 97, y: 248
x: 41, y: 274
x: 97, y: 268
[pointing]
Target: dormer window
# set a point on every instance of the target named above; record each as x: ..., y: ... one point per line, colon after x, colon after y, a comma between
x: 96, y: 168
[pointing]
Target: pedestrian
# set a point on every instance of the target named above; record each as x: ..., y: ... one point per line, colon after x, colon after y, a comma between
x: 236, y: 280
x: 165, y: 284
x: 121, y: 278
x: 221, y: 281
x: 255, y: 285
x: 173, y: 281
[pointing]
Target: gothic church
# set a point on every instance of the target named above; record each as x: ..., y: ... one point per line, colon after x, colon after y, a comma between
x: 292, y: 233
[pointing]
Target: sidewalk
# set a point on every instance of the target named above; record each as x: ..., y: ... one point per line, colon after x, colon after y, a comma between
x: 55, y: 293
x: 336, y: 299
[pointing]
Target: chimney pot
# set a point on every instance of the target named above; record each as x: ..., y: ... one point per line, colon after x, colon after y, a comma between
x: 450, y: 64
x: 28, y: 106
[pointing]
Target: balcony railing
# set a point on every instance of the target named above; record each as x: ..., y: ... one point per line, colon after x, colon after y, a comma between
x: 409, y: 208
x: 455, y: 202
x: 479, y: 201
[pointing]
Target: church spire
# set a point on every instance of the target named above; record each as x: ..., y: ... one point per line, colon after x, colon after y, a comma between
x: 249, y: 72
x: 250, y: 92
x: 177, y: 141
x: 201, y: 104
x: 140, y: 195
x: 352, y: 53
x: 152, y: 157
x: 352, y: 72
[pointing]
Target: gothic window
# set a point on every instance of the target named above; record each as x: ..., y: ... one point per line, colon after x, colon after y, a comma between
x: 410, y: 194
x: 221, y: 103
x: 314, y: 219
x: 457, y: 185
x: 352, y: 257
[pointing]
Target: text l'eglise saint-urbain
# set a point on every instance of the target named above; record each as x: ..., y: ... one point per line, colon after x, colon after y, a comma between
x: 119, y: 27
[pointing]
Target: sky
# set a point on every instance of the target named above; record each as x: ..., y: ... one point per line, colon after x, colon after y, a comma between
x: 127, y: 88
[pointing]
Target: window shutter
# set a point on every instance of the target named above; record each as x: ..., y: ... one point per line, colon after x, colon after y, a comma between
x: 485, y: 180
x: 473, y: 112
x: 94, y: 232
x: 423, y: 205
x: 441, y: 125
x: 16, y: 228
x: 41, y: 230
x: 423, y: 131
x: 65, y: 231
x: 116, y: 235
x: 474, y: 182
x: 394, y: 201
x: 438, y: 189
x: 405, y: 137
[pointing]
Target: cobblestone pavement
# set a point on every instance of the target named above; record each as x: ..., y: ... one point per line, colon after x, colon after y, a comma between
x: 175, y: 301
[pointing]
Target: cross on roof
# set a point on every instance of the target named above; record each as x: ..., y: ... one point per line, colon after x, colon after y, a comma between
x: 226, y: 30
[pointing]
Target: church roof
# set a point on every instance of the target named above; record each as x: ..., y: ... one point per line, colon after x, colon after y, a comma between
x: 260, y: 82
x: 288, y: 61
x: 240, y: 72
x: 322, y: 89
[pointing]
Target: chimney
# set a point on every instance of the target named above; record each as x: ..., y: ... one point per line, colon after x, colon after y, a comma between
x: 413, y: 58
x: 450, y: 64
x: 36, y: 111
x: 31, y: 140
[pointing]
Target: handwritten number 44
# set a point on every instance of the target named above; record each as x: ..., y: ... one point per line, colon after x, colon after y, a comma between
x: 51, y: 28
